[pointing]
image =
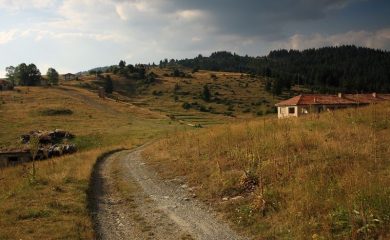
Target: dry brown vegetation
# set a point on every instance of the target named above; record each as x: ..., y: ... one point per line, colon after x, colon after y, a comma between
x: 318, y: 177
x: 54, y: 205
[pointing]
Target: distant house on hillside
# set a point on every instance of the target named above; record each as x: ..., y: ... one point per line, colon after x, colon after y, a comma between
x: 5, y: 85
x: 70, y: 76
x: 316, y: 103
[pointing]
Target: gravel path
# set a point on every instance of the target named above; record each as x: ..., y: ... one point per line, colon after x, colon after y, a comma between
x: 152, y: 209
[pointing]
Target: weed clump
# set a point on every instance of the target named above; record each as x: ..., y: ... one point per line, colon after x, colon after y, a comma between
x: 55, y: 112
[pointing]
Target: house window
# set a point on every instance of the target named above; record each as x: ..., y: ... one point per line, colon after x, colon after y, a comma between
x: 291, y: 110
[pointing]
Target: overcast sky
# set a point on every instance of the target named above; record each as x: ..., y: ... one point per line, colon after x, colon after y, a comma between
x: 75, y: 35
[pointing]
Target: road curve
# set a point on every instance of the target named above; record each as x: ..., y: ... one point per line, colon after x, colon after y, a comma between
x: 154, y: 209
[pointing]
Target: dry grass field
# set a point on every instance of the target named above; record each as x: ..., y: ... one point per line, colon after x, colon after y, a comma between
x: 54, y: 206
x: 319, y: 177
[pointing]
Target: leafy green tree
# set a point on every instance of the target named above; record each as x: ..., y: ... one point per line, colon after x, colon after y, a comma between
x: 10, y: 74
x: 131, y: 68
x: 27, y: 75
x: 52, y: 76
x: 142, y: 72
x: 122, y: 64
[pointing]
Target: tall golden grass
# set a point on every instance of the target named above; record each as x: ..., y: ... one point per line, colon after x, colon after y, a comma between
x: 322, y: 176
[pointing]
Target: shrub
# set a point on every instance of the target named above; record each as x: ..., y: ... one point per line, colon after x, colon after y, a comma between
x: 178, y: 73
x: 206, y: 94
x: 203, y: 108
x: 55, y: 111
x: 186, y: 105
x: 227, y: 113
x: 196, y: 69
x: 157, y: 93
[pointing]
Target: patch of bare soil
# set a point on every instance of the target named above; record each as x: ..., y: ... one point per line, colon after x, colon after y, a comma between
x: 148, y: 208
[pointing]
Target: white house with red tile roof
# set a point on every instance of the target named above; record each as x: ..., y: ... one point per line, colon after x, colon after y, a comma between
x: 316, y: 103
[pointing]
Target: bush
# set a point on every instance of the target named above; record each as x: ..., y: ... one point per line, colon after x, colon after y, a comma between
x: 157, y: 93
x: 196, y: 69
x: 231, y: 108
x: 227, y: 113
x: 186, y: 105
x: 178, y: 73
x: 271, y: 111
x: 203, y: 108
x: 55, y: 112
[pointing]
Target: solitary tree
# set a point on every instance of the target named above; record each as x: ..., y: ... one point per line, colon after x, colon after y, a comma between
x: 206, y: 95
x: 52, y: 76
x: 277, y: 87
x: 268, y: 85
x: 122, y: 64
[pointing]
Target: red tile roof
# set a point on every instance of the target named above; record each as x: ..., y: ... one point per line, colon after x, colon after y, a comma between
x: 323, y: 99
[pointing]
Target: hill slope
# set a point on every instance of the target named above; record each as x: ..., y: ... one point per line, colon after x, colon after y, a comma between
x: 182, y: 96
x: 320, y: 177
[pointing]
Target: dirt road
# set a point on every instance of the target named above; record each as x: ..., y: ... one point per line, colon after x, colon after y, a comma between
x: 90, y: 100
x: 129, y: 201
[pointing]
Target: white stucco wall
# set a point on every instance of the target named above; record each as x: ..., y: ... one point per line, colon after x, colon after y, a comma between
x: 283, y: 112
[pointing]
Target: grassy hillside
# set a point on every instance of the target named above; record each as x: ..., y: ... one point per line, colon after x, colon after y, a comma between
x: 232, y: 94
x: 317, y: 177
x: 54, y: 206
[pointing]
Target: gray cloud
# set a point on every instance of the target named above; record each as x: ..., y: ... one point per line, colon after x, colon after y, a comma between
x: 253, y: 17
x: 103, y: 31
